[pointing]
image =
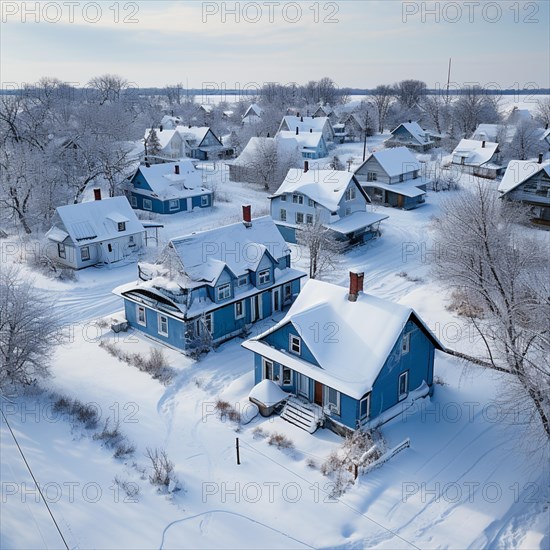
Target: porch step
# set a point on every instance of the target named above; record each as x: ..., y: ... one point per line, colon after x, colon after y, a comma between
x: 304, y: 415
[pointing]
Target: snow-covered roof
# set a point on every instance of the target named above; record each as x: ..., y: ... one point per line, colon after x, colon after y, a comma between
x: 346, y: 118
x: 170, y: 122
x: 325, y: 187
x: 394, y: 161
x: 166, y: 184
x: 96, y: 221
x: 356, y: 221
x: 407, y: 188
x: 368, y: 329
x: 325, y: 109
x: 474, y: 152
x: 416, y: 131
x: 257, y: 145
x: 205, y: 254
x: 206, y: 107
x: 494, y: 132
x: 519, y: 171
x: 305, y: 123
x: 192, y: 133
x: 164, y: 136
x: 254, y: 109
x: 268, y: 393
x: 304, y: 140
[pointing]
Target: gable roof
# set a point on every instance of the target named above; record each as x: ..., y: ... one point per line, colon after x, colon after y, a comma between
x: 473, y: 152
x: 164, y: 137
x: 355, y: 117
x: 204, y: 254
x: 326, y: 187
x: 368, y: 330
x: 254, y: 109
x: 96, y: 221
x: 394, y: 161
x: 305, y: 123
x: 166, y: 184
x: 519, y: 171
x: 416, y: 132
x: 250, y: 154
x: 308, y: 141
x: 197, y: 133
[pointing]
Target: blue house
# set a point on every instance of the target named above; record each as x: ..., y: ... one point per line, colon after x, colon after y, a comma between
x: 210, y: 286
x: 346, y: 359
x: 392, y: 177
x: 333, y: 199
x: 411, y: 135
x: 169, y: 188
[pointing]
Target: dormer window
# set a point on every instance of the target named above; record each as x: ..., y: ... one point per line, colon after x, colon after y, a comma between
x: 371, y: 176
x: 298, y: 199
x: 224, y: 291
x: 295, y: 344
x: 242, y: 281
x: 121, y: 226
x: 283, y: 198
x: 264, y: 277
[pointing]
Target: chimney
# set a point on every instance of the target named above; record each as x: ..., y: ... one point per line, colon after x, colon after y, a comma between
x: 311, y: 130
x: 297, y: 114
x: 297, y: 130
x: 410, y: 121
x: 540, y: 158
x: 147, y: 164
x: 483, y: 144
x: 301, y: 119
x: 546, y: 126
x: 97, y: 194
x: 267, y: 134
x: 247, y: 216
x: 160, y: 127
x: 355, y: 285
x: 306, y: 166
x: 177, y: 169
x: 189, y: 126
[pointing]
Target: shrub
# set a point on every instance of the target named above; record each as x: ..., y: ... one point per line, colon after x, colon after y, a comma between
x: 162, y: 467
x: 280, y: 441
x: 259, y: 433
x: 130, y: 488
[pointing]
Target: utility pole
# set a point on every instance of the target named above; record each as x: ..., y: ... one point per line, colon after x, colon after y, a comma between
x: 365, y: 138
x: 237, y: 447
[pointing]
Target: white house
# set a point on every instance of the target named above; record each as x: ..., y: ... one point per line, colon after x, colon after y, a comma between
x: 95, y: 232
x: 312, y: 145
x: 332, y: 198
x: 480, y: 158
x: 304, y: 124
x: 253, y: 114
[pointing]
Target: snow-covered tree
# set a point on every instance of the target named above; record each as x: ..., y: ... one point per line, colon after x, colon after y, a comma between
x: 526, y: 142
x: 382, y: 98
x: 499, y: 277
x: 473, y: 107
x: 152, y: 144
x: 543, y: 111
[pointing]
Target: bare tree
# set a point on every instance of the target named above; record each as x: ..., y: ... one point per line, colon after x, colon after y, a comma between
x: 108, y: 87
x: 28, y: 330
x: 526, y: 142
x: 322, y: 247
x: 543, y: 111
x: 474, y: 107
x: 409, y: 93
x: 382, y: 97
x: 500, y: 278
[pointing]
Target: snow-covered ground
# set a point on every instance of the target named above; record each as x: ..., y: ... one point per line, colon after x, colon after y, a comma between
x: 468, y: 479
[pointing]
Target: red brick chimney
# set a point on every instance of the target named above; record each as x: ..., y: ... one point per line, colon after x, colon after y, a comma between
x: 355, y: 285
x: 247, y: 215
x: 177, y: 169
x: 306, y: 166
x: 97, y: 194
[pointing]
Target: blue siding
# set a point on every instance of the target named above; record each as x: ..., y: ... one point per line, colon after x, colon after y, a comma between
x: 288, y: 233
x: 280, y: 339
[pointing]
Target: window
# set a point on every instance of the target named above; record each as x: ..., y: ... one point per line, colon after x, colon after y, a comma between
x: 298, y: 199
x: 147, y: 204
x: 309, y: 219
x: 400, y: 177
x: 224, y: 291
x: 174, y: 204
x: 264, y: 277
x: 283, y: 198
x: 406, y: 343
x: 364, y: 407
x: 282, y: 215
x: 163, y: 325
x: 239, y: 309
x: 141, y: 318
x: 268, y: 369
x: 287, y: 376
x: 131, y: 240
x: 133, y: 201
x: 403, y: 384
x: 348, y: 211
x: 310, y: 202
x: 205, y: 201
x: 350, y: 193
x: 121, y: 226
x: 332, y: 400
x: 295, y: 344
x: 242, y: 281
x: 85, y: 253
x: 415, y: 174
x: 208, y: 323
x: 287, y: 292
x: 371, y: 176
x: 299, y: 217
x: 61, y: 250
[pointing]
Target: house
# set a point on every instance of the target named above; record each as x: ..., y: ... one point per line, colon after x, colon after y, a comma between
x: 95, y: 232
x: 169, y: 140
x: 411, y: 135
x: 263, y: 159
x: 253, y: 114
x: 334, y: 199
x: 480, y: 158
x: 528, y: 181
x: 392, y: 176
x: 326, y: 111
x: 213, y: 285
x: 304, y: 124
x: 346, y: 359
x: 169, y: 122
x: 312, y: 145
x: 354, y: 127
x: 202, y: 144
x: 169, y: 188
x: 496, y: 133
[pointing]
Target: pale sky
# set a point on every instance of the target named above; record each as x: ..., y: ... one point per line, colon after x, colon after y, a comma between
x: 357, y: 43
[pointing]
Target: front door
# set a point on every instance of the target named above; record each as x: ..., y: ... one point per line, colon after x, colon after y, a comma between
x: 276, y: 299
x: 318, y: 400
x: 399, y: 201
x: 256, y: 307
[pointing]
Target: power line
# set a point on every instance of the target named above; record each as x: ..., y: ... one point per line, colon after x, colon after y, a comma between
x: 34, y: 479
x: 328, y: 494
